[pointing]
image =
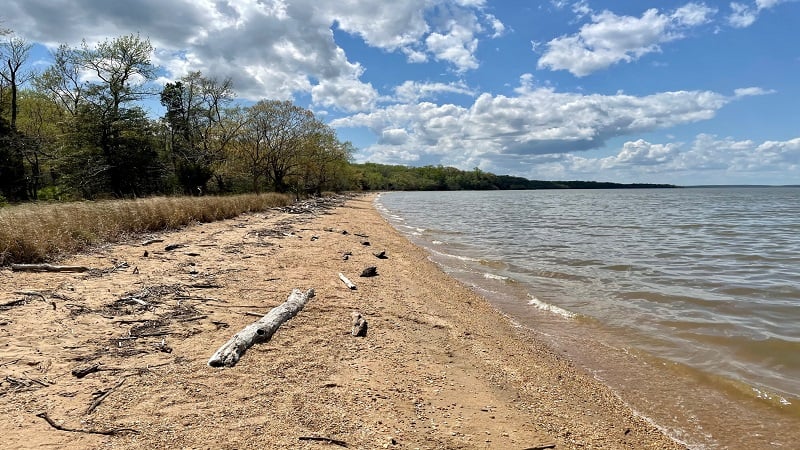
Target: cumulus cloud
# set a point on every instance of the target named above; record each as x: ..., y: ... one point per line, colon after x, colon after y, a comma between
x: 709, y: 158
x: 610, y: 39
x: 752, y: 91
x: 270, y: 48
x: 412, y: 91
x: 535, y: 121
x: 743, y: 15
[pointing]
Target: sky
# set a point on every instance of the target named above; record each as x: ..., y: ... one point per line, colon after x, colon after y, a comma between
x: 627, y: 91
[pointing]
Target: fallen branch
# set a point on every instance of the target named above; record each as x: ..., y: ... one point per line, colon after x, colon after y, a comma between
x: 31, y: 294
x: 105, y: 394
x: 323, y: 439
x: 113, y: 432
x: 359, y: 325
x: 47, y: 268
x: 151, y: 241
x: 347, y: 282
x: 13, y: 303
x: 541, y: 447
x: 260, y: 330
x: 80, y: 372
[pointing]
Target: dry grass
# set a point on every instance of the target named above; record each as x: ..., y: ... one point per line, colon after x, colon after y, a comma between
x: 34, y: 233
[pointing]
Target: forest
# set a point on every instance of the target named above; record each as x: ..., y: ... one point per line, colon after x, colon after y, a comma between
x: 78, y: 130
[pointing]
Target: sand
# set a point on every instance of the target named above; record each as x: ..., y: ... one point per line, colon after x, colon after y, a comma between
x: 438, y: 369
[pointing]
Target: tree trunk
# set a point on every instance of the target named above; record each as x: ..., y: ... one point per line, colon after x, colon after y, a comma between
x: 261, y: 330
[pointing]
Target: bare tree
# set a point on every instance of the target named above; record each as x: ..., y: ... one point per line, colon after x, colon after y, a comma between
x: 62, y: 80
x: 14, y: 53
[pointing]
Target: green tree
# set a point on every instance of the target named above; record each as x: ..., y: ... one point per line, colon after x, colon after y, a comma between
x: 200, y: 126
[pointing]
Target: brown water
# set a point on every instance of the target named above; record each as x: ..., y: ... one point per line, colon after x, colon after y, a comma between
x: 686, y: 301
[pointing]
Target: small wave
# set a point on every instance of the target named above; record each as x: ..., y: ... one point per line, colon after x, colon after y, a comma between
x: 491, y: 276
x: 461, y: 258
x: 550, y: 308
x: 437, y: 242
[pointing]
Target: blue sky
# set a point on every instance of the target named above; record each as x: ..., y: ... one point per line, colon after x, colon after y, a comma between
x: 627, y: 91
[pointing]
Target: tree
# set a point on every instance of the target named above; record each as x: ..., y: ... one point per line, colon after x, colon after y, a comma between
x: 38, y: 121
x: 62, y: 80
x: 200, y: 127
x: 281, y: 131
x: 109, y: 145
x: 14, y: 52
x: 12, y: 169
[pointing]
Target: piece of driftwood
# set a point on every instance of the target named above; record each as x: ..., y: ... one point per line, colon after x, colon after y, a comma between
x: 324, y: 439
x: 151, y: 241
x: 347, y: 282
x: 103, y: 396
x: 58, y: 427
x: 370, y: 271
x: 47, y: 268
x: 541, y: 447
x: 171, y: 247
x: 31, y: 294
x: 261, y: 330
x: 80, y: 372
x: 359, y: 325
x: 17, y: 302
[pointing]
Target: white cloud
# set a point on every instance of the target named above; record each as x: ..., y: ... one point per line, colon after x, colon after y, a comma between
x: 412, y: 91
x: 535, y: 121
x: 708, y: 158
x: 743, y: 15
x: 456, y: 46
x: 752, y: 91
x: 610, y: 38
x: 270, y: 48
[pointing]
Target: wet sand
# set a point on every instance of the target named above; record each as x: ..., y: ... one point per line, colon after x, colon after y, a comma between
x: 439, y: 367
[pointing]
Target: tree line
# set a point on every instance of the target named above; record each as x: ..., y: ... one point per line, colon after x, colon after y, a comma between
x: 382, y: 177
x: 78, y: 130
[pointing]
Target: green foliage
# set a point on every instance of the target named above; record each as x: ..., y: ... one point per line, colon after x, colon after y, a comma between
x: 381, y: 177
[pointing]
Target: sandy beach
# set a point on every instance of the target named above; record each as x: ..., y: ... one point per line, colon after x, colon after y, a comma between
x: 439, y: 368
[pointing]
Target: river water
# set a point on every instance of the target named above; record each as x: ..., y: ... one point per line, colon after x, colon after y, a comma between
x: 686, y: 302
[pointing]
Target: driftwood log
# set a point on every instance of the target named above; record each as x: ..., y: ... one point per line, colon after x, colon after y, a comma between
x: 261, y: 330
x: 48, y: 268
x: 359, y: 325
x: 347, y: 282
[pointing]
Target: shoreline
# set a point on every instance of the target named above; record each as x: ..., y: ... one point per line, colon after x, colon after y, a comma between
x: 440, y: 367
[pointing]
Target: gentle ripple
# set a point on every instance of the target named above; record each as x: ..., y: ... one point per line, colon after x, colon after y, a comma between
x: 709, y: 278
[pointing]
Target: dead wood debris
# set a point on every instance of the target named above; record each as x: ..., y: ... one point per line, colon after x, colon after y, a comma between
x: 346, y: 281
x: 327, y: 440
x: 359, y: 328
x: 48, y: 268
x: 111, y: 432
x: 103, y: 396
x: 541, y: 447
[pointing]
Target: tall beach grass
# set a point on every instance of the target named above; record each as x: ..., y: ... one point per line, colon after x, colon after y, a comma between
x: 33, y: 233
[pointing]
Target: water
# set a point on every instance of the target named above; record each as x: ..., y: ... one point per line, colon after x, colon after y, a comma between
x: 685, y: 301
